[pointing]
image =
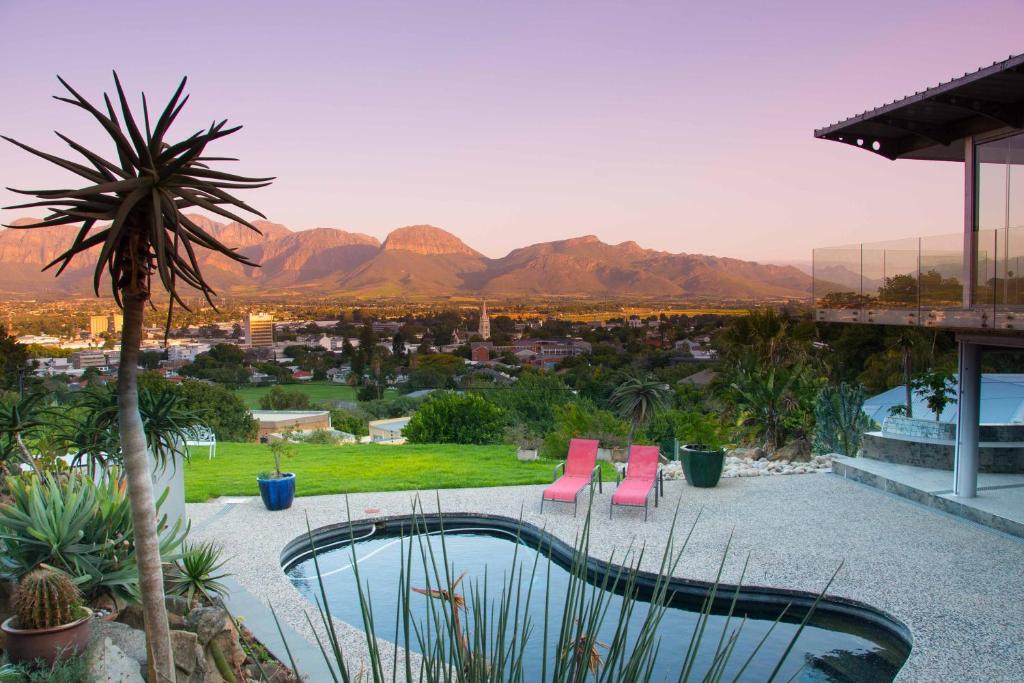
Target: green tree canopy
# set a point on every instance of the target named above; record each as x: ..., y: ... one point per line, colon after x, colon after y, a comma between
x: 456, y: 418
x: 279, y: 398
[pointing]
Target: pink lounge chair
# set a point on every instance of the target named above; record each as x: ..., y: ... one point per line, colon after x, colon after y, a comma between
x: 578, y: 472
x: 643, y: 475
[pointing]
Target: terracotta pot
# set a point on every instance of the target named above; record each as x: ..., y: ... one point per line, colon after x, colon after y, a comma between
x: 24, y: 645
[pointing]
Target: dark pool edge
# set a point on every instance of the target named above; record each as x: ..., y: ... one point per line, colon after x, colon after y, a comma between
x: 750, y: 598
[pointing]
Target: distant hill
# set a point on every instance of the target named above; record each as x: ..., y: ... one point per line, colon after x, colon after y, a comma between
x: 417, y: 261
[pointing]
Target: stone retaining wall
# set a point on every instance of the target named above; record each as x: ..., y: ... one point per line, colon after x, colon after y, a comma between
x: 916, y: 427
x: 939, y: 456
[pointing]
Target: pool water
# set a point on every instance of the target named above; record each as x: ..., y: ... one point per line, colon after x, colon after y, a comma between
x: 831, y: 648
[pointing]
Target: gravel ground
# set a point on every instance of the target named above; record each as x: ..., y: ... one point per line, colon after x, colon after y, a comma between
x: 958, y: 587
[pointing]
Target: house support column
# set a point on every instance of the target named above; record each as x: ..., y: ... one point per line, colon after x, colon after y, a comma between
x: 965, y: 465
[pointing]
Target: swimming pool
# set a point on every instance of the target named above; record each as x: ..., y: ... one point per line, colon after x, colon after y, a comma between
x: 843, y: 642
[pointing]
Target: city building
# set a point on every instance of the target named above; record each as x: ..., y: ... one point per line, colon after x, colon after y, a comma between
x: 92, y: 358
x: 98, y: 324
x: 485, y: 323
x: 387, y: 327
x: 541, y: 353
x: 105, y: 324
x: 969, y: 282
x: 259, y: 330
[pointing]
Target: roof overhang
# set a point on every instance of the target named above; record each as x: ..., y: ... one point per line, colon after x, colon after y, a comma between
x: 932, y: 124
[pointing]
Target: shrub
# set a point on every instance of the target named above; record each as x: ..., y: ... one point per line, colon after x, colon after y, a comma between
x: 532, y: 399
x: 583, y: 419
x: 279, y: 398
x: 344, y: 421
x: 220, y: 409
x: 397, y: 407
x: 456, y: 418
x: 321, y: 437
x: 77, y: 526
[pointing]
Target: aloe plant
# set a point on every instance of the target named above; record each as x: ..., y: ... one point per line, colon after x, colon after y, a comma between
x: 79, y: 526
x: 195, y: 574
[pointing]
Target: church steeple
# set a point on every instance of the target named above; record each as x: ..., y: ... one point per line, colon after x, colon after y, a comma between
x: 485, y: 322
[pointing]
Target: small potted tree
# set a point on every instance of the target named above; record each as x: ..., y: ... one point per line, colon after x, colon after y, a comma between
x: 702, y: 454
x: 49, y: 620
x: 277, y: 488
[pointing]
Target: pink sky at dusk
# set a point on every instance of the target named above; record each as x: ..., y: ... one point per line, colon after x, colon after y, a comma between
x: 683, y: 126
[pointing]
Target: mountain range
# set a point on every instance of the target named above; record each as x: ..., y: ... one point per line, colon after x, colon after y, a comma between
x: 419, y: 261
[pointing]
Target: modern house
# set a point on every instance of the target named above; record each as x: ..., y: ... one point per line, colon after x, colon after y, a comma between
x: 970, y: 282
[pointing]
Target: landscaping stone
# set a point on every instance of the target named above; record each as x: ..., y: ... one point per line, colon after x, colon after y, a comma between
x: 206, y: 623
x: 107, y: 663
x: 133, y: 616
x: 176, y: 604
x: 798, y: 450
x: 131, y: 642
x: 756, y: 453
x: 189, y: 658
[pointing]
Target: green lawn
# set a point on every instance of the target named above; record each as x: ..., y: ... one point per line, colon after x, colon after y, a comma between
x: 317, y: 391
x: 365, y: 467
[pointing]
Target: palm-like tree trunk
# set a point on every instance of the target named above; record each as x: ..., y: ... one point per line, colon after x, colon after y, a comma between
x: 26, y: 454
x: 140, y: 493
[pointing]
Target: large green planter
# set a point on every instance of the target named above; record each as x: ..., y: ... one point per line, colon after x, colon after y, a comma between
x: 702, y: 467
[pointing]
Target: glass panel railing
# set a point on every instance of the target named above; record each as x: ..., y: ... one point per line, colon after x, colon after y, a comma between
x: 985, y: 272
x: 1010, y: 276
x: 890, y: 273
x: 923, y: 276
x: 942, y: 269
x: 837, y: 277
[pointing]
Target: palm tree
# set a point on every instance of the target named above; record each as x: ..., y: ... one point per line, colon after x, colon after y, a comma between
x: 637, y: 399
x: 769, y: 396
x: 142, y: 194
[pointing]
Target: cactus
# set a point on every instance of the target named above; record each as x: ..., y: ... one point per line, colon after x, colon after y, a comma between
x: 839, y: 419
x: 46, y: 598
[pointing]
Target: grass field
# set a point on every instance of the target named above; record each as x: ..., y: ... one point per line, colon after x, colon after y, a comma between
x: 360, y: 468
x: 317, y: 392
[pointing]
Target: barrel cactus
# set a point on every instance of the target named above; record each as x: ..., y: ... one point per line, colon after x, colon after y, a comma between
x: 46, y: 598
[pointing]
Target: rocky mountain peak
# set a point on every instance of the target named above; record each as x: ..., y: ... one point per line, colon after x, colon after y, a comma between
x: 427, y: 240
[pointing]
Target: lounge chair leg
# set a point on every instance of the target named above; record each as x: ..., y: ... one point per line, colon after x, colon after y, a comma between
x: 645, y: 510
x: 542, y: 504
x: 611, y: 508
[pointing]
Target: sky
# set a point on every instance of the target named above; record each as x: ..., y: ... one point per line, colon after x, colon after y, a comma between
x: 684, y: 126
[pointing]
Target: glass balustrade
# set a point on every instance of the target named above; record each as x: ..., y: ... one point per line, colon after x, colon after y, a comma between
x: 920, y: 280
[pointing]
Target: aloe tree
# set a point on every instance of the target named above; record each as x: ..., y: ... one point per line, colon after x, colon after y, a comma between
x: 637, y: 399
x: 130, y: 210
x: 18, y: 418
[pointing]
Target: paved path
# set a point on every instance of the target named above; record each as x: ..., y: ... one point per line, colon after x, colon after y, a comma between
x: 958, y: 587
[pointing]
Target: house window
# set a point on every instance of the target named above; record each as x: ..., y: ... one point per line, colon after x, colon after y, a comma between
x: 999, y: 221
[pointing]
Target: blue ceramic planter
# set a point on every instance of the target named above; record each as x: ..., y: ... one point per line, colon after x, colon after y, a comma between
x: 277, y: 494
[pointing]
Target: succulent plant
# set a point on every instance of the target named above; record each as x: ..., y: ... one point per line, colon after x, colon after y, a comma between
x: 46, y: 598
